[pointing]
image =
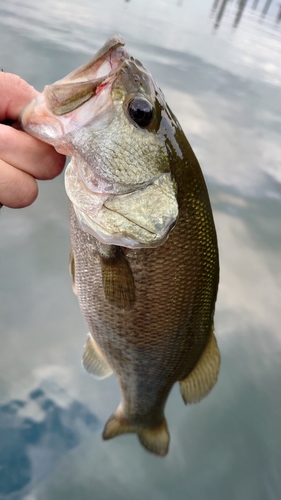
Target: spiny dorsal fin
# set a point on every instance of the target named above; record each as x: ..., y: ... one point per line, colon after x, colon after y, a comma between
x: 156, y: 439
x: 94, y: 361
x: 204, y: 375
x: 117, y: 278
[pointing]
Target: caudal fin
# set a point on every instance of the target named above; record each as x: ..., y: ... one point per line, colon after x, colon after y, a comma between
x: 154, y: 439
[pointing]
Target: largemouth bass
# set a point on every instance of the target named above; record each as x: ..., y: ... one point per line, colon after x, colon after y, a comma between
x: 144, y: 256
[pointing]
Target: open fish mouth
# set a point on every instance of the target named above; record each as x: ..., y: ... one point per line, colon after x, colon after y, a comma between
x: 86, y: 82
x: 68, y: 104
x: 73, y: 91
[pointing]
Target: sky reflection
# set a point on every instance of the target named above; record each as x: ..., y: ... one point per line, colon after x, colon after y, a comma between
x: 252, y: 53
x: 224, y: 87
x: 34, y: 434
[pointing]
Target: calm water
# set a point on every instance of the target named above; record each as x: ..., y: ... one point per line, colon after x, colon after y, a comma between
x: 224, y: 86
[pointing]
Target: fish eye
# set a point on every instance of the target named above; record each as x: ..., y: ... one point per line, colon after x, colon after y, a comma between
x: 141, y: 111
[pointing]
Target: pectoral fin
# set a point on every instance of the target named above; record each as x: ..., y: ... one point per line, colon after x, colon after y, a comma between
x: 117, y: 277
x: 94, y: 361
x: 204, y: 375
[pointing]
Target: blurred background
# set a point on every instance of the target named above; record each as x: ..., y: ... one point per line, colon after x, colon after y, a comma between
x: 218, y: 64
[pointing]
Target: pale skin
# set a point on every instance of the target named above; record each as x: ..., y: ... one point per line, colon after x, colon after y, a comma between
x: 23, y: 159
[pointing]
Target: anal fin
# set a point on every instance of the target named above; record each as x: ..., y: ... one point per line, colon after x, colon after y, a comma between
x: 204, y: 375
x: 154, y: 439
x: 94, y: 361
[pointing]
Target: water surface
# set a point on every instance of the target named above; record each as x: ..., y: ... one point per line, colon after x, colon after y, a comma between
x: 223, y: 84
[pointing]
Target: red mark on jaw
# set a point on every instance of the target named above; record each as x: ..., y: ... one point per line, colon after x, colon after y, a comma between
x: 100, y: 87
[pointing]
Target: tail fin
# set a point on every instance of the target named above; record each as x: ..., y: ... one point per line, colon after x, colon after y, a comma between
x: 154, y: 439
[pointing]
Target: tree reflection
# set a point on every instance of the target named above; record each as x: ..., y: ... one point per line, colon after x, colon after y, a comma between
x: 239, y: 14
x: 255, y: 4
x: 265, y: 9
x: 220, y: 12
x: 278, y: 18
x: 219, y: 7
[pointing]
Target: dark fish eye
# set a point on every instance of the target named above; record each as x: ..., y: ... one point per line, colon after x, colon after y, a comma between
x: 141, y: 111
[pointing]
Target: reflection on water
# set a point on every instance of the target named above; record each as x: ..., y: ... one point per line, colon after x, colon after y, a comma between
x: 224, y: 87
x: 34, y: 434
x: 236, y: 11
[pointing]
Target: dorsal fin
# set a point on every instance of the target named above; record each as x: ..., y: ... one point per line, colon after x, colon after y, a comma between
x: 204, y: 375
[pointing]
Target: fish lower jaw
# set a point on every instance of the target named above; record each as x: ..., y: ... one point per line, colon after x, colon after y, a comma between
x: 88, y: 225
x: 142, y: 218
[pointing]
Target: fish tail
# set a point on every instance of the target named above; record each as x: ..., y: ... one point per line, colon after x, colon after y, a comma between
x: 154, y: 439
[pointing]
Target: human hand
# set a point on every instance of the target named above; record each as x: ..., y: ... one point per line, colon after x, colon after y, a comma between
x: 23, y: 159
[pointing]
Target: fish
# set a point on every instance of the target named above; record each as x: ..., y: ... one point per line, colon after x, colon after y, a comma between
x: 144, y: 255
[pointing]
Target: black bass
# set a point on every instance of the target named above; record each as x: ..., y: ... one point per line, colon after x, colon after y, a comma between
x: 144, y: 255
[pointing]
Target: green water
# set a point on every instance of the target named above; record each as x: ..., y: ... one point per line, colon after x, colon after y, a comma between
x: 224, y: 87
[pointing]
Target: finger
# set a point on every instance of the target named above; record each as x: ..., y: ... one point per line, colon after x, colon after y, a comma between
x: 15, y: 94
x: 29, y: 154
x: 17, y: 189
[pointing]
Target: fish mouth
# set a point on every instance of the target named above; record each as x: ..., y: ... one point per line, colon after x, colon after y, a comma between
x: 66, y: 105
x: 88, y: 81
x: 142, y: 218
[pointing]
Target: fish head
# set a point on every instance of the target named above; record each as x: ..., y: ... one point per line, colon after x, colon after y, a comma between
x: 108, y: 116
